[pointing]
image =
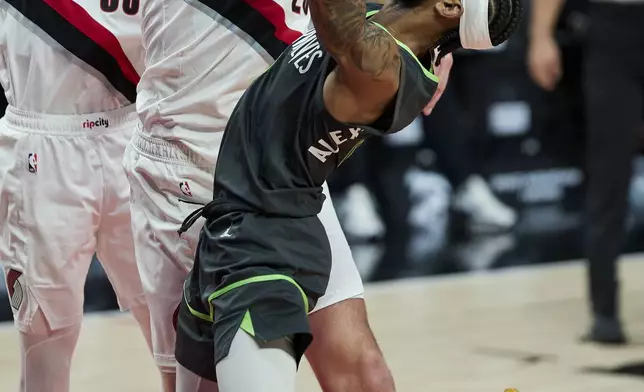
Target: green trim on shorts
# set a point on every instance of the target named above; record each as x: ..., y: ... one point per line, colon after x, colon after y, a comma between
x: 243, y: 282
x: 427, y: 73
x: 247, y: 324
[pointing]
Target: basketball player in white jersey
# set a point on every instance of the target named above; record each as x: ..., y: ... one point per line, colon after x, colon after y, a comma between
x: 69, y: 70
x: 201, y: 55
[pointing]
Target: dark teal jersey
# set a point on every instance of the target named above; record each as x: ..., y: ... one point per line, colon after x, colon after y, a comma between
x: 281, y: 143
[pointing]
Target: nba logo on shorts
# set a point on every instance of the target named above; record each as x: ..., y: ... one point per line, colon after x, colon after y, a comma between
x: 185, y: 188
x: 14, y: 287
x: 33, y: 162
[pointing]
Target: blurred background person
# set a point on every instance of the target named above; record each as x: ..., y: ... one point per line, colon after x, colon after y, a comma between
x: 613, y: 86
x: 454, y: 141
x: 377, y: 186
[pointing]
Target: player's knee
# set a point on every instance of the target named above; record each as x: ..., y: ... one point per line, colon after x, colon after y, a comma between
x: 61, y: 342
x: 39, y: 339
x: 166, y: 369
x: 366, y: 372
x: 47, y: 357
x: 374, y: 373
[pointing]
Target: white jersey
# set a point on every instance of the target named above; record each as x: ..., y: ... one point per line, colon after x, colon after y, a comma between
x: 70, y: 56
x: 201, y: 55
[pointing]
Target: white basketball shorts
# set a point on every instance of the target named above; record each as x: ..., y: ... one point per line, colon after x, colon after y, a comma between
x: 64, y: 196
x: 169, y: 183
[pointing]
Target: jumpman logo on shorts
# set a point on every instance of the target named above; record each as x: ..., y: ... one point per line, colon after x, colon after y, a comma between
x: 226, y: 234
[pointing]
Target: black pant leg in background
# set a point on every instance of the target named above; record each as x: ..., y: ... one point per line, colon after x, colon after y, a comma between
x: 614, y: 66
x: 448, y: 134
x: 350, y: 172
x: 385, y: 172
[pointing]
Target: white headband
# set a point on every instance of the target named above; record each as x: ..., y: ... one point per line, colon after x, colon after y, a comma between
x: 474, y: 29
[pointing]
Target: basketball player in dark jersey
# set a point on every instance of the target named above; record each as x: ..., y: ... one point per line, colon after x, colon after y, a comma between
x: 264, y: 258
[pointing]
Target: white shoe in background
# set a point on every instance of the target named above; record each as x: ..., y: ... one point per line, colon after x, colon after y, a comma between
x: 484, y: 251
x: 485, y: 211
x: 358, y: 214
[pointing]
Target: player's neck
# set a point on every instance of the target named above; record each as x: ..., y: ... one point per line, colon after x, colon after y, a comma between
x: 418, y: 31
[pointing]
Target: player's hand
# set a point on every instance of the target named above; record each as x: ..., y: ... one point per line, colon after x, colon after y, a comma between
x: 544, y: 62
x: 442, y: 71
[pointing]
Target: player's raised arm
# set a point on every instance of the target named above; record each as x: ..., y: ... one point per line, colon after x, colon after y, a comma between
x: 366, y: 77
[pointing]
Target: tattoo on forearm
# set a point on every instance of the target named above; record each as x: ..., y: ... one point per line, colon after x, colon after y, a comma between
x: 339, y: 23
x: 343, y: 30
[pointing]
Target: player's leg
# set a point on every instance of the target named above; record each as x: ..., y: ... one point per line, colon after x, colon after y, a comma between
x: 254, y: 329
x: 344, y: 354
x: 160, y: 301
x: 46, y: 355
x: 47, y: 206
x: 115, y: 246
x: 187, y: 381
x: 161, y: 193
x: 257, y: 367
x: 194, y: 353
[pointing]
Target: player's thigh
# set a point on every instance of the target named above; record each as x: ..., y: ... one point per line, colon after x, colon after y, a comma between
x: 157, y: 194
x: 115, y: 246
x: 47, y: 238
x: 343, y: 341
x: 343, y: 345
x: 344, y: 281
x: 162, y: 195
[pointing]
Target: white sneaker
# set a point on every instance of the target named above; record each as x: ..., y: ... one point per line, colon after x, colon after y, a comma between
x: 359, y: 216
x: 484, y: 210
x: 484, y: 251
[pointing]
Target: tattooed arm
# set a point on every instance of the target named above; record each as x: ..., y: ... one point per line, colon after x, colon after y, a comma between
x: 366, y: 77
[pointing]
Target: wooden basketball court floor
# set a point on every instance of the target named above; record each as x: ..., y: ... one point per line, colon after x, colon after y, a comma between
x: 515, y: 328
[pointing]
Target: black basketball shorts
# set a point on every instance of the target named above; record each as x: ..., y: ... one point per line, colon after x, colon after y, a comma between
x: 262, y: 274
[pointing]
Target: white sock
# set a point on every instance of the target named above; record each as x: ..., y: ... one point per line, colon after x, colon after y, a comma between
x: 250, y: 366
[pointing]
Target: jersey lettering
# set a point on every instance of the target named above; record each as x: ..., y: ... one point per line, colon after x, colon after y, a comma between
x: 295, y: 7
x: 130, y: 7
x: 304, y: 51
x: 323, y: 149
x: 355, y: 132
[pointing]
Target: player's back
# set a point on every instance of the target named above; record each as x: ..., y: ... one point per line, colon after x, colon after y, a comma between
x: 200, y: 57
x: 70, y: 57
